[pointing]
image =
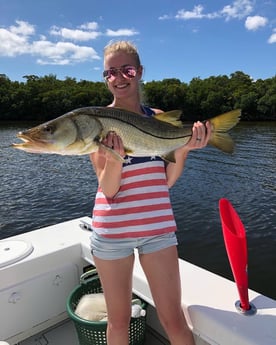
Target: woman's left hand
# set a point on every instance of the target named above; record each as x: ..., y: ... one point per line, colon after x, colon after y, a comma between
x: 201, y: 133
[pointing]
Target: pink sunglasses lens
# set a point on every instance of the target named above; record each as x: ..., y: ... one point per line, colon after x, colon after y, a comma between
x: 128, y: 72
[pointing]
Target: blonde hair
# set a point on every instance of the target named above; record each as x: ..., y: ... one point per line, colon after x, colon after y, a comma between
x: 122, y: 46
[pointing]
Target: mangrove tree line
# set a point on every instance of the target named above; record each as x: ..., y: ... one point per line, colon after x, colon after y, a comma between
x: 44, y: 98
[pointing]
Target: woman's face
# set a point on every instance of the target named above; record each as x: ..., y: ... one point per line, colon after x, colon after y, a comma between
x: 124, y: 74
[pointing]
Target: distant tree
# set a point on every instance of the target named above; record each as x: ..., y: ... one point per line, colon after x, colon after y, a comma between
x: 43, y: 98
x: 267, y: 103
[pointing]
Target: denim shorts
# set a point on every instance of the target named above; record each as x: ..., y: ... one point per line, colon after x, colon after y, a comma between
x: 112, y: 249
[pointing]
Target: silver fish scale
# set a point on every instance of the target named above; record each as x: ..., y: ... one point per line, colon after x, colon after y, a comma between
x: 147, y: 125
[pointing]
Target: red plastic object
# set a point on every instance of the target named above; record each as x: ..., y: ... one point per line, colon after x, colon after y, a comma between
x: 236, y: 247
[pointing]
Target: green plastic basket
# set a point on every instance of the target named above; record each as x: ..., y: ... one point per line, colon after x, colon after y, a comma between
x: 94, y: 332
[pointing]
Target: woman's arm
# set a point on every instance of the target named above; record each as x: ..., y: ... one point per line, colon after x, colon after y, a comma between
x: 107, y: 167
x: 200, y: 131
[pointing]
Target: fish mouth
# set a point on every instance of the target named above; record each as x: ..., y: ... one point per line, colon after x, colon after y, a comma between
x: 32, y: 145
x: 24, y: 137
x: 30, y: 139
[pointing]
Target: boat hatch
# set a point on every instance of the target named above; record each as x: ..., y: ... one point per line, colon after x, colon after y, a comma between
x: 12, y: 251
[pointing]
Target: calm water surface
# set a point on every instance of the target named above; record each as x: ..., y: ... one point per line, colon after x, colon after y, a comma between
x: 39, y: 190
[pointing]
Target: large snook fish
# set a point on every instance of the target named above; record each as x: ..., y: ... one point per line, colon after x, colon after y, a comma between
x: 81, y: 131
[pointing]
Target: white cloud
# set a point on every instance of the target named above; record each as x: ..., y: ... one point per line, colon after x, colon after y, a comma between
x: 272, y: 38
x: 121, y: 32
x: 53, y: 62
x: 255, y: 22
x: 239, y: 9
x: 75, y: 35
x: 22, y: 38
x: 89, y: 26
x: 14, y: 40
x: 11, y: 44
x: 196, y: 13
x: 62, y: 53
x: 22, y: 28
x: 164, y: 17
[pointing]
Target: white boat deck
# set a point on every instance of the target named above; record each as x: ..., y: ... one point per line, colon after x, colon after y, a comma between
x: 64, y: 334
x: 33, y: 293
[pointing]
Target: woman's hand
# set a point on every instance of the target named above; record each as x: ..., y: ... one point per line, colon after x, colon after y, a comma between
x: 113, y: 141
x: 107, y: 165
x: 200, y: 136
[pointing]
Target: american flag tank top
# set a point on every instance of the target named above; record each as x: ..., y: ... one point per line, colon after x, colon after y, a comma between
x: 142, y: 205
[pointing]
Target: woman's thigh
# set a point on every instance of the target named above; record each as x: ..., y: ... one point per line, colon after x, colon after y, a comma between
x: 116, y: 280
x: 162, y: 272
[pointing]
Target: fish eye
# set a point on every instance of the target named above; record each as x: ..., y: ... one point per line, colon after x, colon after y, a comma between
x: 48, y: 129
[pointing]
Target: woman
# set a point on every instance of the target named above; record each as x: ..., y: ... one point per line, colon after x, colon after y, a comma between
x: 133, y: 210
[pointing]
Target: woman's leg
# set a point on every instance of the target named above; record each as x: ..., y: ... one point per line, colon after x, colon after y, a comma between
x: 116, y: 280
x: 162, y: 272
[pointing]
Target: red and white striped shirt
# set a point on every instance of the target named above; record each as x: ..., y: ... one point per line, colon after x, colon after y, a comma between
x: 142, y: 205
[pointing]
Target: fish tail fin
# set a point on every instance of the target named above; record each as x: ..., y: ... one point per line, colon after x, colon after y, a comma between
x: 222, y: 141
x: 221, y: 124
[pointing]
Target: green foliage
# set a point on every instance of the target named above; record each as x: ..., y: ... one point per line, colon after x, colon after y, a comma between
x: 44, y: 98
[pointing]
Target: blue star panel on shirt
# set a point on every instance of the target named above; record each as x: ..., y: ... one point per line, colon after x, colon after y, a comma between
x: 137, y: 160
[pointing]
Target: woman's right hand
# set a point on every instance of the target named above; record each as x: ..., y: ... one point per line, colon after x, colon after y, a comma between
x: 113, y: 141
x: 107, y: 165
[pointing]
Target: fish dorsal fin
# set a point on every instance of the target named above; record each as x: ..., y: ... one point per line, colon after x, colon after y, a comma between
x: 172, y: 117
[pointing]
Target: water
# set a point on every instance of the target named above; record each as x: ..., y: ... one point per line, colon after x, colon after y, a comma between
x: 40, y: 190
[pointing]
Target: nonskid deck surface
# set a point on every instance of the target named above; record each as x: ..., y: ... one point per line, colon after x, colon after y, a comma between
x: 65, y: 334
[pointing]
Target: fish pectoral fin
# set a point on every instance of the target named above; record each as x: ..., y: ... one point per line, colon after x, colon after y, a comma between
x: 169, y: 157
x: 222, y: 141
x: 172, y: 117
x: 109, y: 149
x: 128, y: 151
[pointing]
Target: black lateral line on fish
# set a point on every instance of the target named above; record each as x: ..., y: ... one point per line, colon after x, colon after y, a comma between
x: 116, y: 114
x: 173, y: 136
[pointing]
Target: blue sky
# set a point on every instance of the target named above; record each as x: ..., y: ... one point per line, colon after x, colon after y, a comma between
x: 176, y: 39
